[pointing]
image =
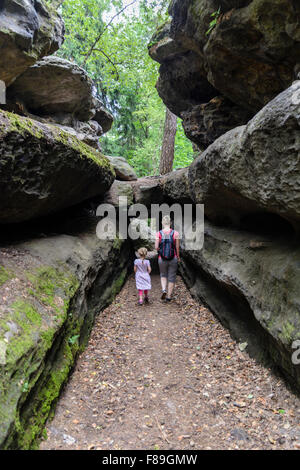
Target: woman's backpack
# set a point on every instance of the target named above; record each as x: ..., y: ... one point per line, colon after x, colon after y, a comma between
x: 167, y: 246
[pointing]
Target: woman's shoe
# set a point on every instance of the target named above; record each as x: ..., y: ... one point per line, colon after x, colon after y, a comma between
x: 168, y: 299
x: 163, y: 295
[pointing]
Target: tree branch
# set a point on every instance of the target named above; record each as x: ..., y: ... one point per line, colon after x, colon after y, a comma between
x: 103, y: 31
x: 109, y: 60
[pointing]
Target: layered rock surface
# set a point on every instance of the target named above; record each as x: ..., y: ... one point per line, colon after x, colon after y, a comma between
x: 63, y: 87
x: 250, y: 56
x: 43, y: 169
x: 29, y: 29
x: 67, y: 281
x: 64, y: 96
x: 254, y: 168
x: 251, y: 283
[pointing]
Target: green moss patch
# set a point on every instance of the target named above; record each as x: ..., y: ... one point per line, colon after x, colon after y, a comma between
x: 161, y: 32
x: 41, y: 335
x: 52, y: 287
x: 24, y: 125
x: 4, y: 275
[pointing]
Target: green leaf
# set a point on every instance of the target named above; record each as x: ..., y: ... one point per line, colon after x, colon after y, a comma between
x: 73, y: 339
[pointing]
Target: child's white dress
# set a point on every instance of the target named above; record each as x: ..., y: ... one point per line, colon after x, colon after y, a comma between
x: 142, y: 277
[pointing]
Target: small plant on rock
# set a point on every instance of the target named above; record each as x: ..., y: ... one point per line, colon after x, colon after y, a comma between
x: 215, y: 15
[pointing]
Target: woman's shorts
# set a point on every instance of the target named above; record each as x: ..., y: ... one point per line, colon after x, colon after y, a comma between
x: 168, y: 268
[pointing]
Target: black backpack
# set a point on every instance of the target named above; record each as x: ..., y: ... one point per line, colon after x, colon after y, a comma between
x: 167, y: 246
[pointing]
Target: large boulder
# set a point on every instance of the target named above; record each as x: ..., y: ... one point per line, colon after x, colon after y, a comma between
x: 44, y: 169
x: 51, y: 290
x: 124, y: 171
x: 65, y: 96
x: 250, y: 56
x: 176, y: 186
x: 103, y: 116
x: 251, y: 282
x: 63, y: 88
x: 254, y: 168
x: 29, y: 29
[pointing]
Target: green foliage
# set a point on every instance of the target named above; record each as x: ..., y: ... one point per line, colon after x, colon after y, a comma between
x: 215, y: 15
x: 4, y: 275
x: 184, y: 153
x: 74, y: 339
x: 115, y: 54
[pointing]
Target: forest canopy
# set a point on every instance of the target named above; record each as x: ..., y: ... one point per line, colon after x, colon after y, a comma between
x: 109, y: 38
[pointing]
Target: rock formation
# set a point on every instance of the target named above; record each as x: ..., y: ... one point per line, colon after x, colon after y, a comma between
x: 251, y: 282
x: 119, y: 189
x: 148, y: 191
x: 218, y: 79
x: 64, y: 96
x: 29, y: 29
x: 67, y: 280
x: 51, y: 171
x: 233, y: 85
x: 254, y: 168
x: 124, y: 171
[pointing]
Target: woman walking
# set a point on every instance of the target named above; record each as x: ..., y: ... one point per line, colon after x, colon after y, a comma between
x: 167, y: 245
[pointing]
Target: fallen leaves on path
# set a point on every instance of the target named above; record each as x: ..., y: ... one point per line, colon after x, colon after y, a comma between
x: 169, y: 376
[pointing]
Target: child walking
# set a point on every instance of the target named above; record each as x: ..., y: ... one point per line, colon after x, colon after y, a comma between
x: 142, y: 269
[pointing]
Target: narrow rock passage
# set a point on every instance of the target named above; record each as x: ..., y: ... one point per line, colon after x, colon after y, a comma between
x: 169, y: 376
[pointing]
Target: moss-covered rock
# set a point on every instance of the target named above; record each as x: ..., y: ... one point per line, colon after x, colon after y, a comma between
x: 57, y: 286
x: 65, y: 96
x: 44, y: 169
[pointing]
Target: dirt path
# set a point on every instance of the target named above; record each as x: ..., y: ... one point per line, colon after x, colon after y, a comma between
x: 168, y: 376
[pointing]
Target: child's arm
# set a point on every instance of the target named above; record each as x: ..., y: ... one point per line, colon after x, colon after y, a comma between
x: 135, y: 269
x: 149, y: 268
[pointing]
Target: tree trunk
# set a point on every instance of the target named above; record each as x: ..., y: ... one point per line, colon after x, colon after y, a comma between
x: 168, y: 146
